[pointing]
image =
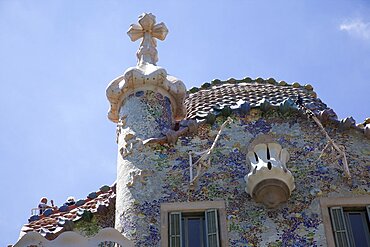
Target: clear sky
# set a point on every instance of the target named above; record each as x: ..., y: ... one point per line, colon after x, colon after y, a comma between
x: 57, y: 57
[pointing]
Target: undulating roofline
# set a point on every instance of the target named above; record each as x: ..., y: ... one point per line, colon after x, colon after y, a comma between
x: 223, y: 97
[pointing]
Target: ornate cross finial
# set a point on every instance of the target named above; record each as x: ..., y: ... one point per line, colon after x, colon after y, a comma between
x: 148, y: 30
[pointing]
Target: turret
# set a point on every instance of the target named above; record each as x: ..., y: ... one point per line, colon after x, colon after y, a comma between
x: 145, y: 102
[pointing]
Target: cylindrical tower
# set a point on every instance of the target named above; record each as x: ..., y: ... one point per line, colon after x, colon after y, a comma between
x: 145, y: 104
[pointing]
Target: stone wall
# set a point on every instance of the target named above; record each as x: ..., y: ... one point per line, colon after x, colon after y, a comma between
x: 160, y: 173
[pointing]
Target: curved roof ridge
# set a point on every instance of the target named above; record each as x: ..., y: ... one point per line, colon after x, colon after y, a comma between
x: 218, y: 94
x: 221, y: 97
x: 271, y: 81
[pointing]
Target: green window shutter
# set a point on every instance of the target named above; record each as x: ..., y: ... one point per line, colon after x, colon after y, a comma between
x: 175, y: 229
x: 213, y: 239
x: 339, y: 227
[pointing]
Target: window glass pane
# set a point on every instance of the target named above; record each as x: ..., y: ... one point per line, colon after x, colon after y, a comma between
x: 194, y: 232
x: 358, y: 228
x: 189, y: 229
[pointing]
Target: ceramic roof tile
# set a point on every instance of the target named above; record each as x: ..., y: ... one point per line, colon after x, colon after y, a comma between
x: 211, y: 99
x: 220, y: 97
x: 52, y: 225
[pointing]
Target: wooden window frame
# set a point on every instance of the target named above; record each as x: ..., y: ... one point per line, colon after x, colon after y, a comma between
x: 189, y: 207
x: 346, y: 202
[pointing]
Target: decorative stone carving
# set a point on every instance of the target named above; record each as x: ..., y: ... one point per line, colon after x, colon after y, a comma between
x: 129, y: 143
x: 171, y: 136
x: 146, y: 75
x: 139, y: 176
x: 120, y: 125
x: 269, y: 181
x: 148, y: 30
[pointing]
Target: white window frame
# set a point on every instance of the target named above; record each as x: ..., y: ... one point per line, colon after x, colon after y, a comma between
x: 329, y: 203
x: 189, y: 207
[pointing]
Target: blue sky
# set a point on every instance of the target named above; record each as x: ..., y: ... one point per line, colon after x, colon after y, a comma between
x: 57, y: 57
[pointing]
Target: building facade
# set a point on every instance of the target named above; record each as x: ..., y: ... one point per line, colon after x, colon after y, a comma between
x: 249, y: 162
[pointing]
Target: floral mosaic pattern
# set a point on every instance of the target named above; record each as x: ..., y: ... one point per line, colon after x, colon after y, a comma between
x: 295, y: 223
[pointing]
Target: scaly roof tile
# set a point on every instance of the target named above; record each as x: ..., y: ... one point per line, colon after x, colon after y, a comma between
x: 57, y: 222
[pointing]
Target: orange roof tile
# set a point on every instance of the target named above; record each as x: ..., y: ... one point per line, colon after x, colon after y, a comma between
x: 53, y: 225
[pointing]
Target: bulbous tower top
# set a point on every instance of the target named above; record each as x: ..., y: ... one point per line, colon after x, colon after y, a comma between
x: 146, y: 75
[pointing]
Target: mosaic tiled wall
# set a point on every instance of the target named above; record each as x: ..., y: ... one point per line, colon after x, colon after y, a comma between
x: 156, y: 173
x: 91, y: 224
x: 147, y: 113
x: 144, y: 114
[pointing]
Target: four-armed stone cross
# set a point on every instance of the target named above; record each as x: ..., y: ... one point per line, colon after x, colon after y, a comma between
x: 148, y: 30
